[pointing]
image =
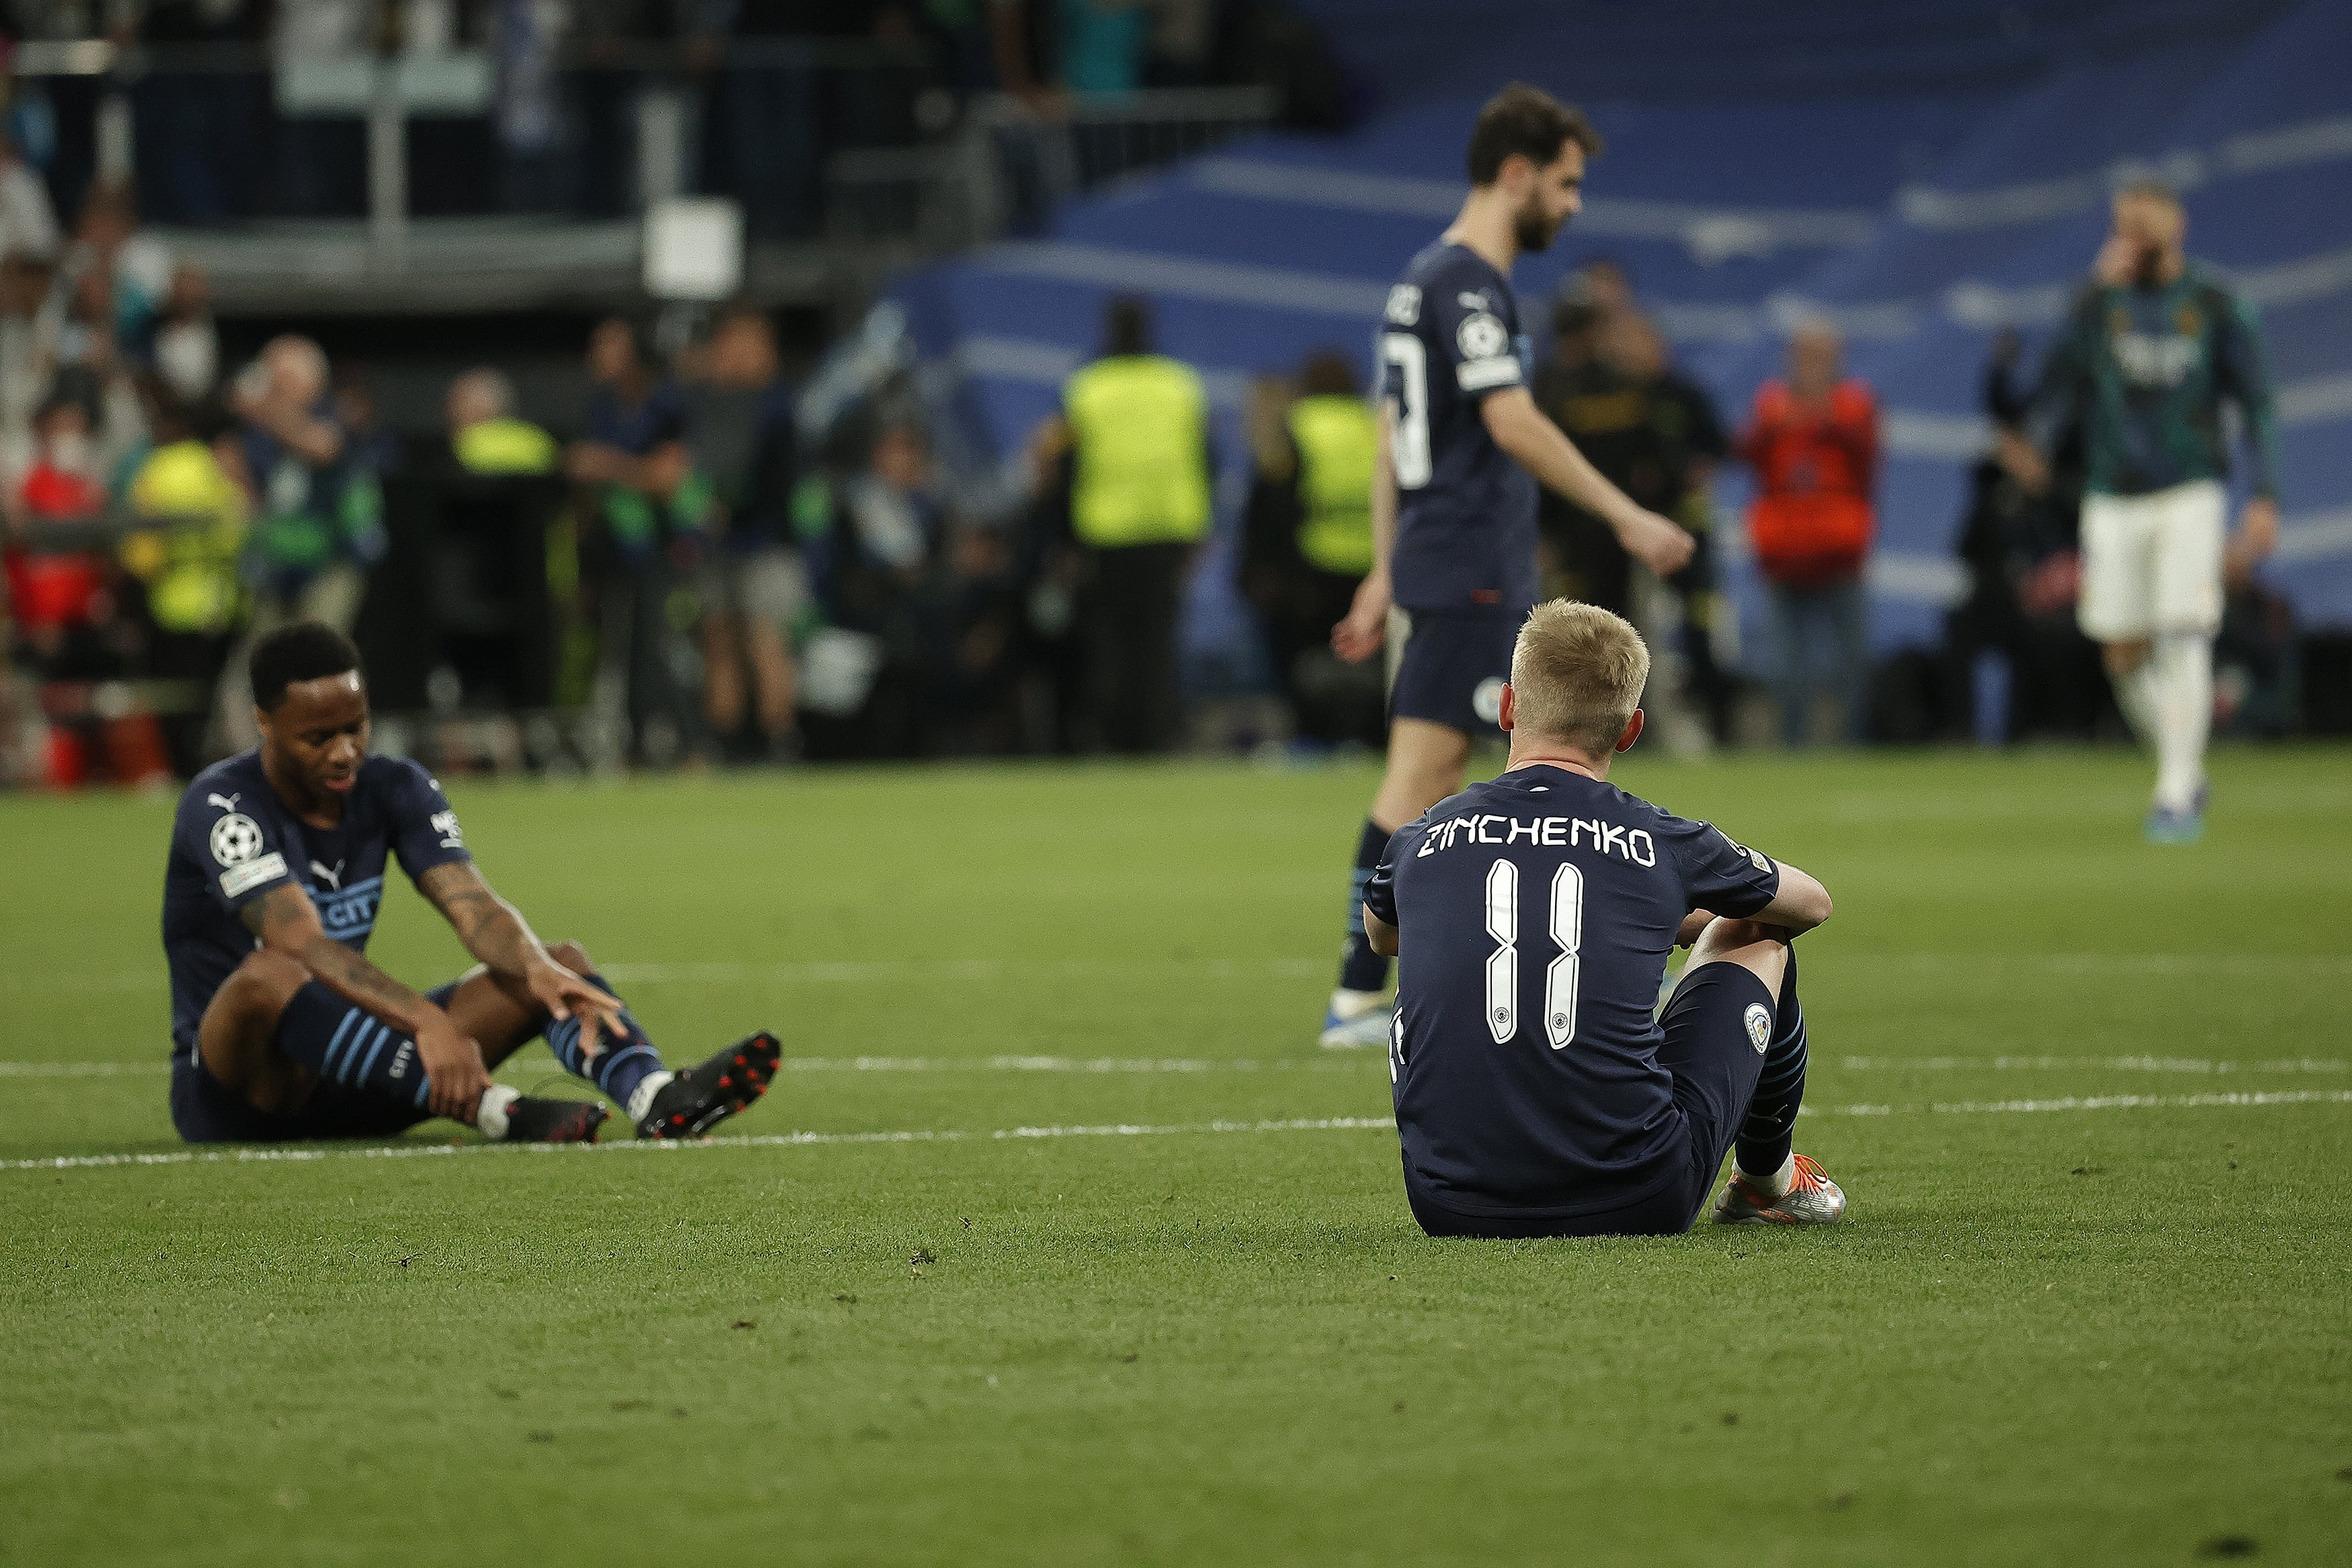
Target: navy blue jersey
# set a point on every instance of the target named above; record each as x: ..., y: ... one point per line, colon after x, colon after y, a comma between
x: 1465, y: 508
x: 233, y: 839
x: 1536, y: 913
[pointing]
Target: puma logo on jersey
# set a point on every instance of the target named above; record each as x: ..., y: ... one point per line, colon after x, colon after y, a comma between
x: 332, y: 877
x: 226, y: 802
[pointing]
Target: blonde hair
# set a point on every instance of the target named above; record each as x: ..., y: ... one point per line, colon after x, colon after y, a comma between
x: 1577, y: 675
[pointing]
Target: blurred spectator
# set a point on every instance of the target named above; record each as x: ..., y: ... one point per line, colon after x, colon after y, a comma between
x: 186, y: 343
x: 872, y: 567
x: 1687, y: 440
x: 28, y: 224
x: 1813, y: 441
x: 485, y: 436
x: 320, y: 510
x: 186, y: 561
x: 753, y: 585
x: 655, y: 508
x: 58, y: 592
x: 2018, y: 666
x: 526, y: 37
x: 1139, y: 478
x: 135, y: 266
x: 973, y: 619
x: 1308, y: 542
x: 373, y: 446
x: 60, y: 588
x: 1609, y: 387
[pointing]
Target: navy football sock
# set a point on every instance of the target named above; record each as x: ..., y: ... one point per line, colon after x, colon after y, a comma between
x: 618, y: 1066
x: 1770, y: 1132
x: 1361, y: 969
x: 341, y: 1042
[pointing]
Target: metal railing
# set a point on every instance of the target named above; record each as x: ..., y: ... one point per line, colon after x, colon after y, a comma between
x: 1009, y: 165
x: 336, y: 175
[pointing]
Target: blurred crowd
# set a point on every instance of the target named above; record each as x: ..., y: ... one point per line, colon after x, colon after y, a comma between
x: 769, y: 90
x: 731, y: 580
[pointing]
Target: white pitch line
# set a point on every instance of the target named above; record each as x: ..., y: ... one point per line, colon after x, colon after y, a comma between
x: 2072, y: 1063
x: 858, y: 971
x: 1105, y: 1066
x: 818, y: 972
x: 1113, y: 1129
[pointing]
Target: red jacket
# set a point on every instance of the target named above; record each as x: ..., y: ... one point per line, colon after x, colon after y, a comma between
x: 50, y: 590
x: 1815, y: 469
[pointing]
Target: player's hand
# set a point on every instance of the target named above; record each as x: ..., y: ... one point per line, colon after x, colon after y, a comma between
x: 2021, y: 461
x: 2257, y: 535
x: 1366, y: 627
x: 453, y: 1067
x: 566, y: 994
x: 1659, y: 543
x: 1693, y: 923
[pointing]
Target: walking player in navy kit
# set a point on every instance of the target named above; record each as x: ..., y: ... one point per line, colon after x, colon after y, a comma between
x: 1535, y: 1093
x: 282, y: 1029
x: 1463, y: 447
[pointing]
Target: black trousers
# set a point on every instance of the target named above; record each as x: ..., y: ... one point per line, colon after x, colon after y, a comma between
x: 1133, y: 598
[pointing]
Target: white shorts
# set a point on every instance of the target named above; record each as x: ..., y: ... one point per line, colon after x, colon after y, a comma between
x: 2152, y: 564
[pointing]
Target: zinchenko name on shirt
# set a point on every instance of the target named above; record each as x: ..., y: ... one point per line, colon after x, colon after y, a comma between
x: 1551, y: 833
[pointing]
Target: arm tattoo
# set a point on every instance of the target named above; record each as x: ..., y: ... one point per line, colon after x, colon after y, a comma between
x: 284, y: 919
x: 492, y: 929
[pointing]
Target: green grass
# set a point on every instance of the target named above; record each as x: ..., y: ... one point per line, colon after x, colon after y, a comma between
x: 2065, y: 1333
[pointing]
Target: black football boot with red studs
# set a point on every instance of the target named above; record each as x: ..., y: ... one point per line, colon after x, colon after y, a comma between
x: 699, y: 1098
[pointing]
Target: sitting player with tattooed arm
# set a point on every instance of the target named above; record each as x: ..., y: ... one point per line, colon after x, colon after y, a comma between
x: 283, y: 1031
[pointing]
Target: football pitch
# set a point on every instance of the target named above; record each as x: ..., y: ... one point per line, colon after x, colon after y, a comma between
x: 1060, y: 1241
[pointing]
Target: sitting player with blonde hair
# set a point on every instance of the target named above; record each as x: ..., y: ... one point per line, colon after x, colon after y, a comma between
x: 1536, y: 1094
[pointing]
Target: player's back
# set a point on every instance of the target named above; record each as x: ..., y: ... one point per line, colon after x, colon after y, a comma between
x: 1466, y: 509
x: 1538, y: 912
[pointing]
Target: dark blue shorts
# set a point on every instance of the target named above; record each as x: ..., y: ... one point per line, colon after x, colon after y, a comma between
x: 1453, y: 666
x: 206, y: 1110
x: 1711, y: 1053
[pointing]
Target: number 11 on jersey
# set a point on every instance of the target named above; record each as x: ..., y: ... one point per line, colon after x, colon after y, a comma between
x: 1566, y: 928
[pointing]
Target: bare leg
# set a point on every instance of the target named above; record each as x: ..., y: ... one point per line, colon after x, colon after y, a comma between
x: 773, y: 677
x: 1761, y: 950
x: 237, y: 1035
x: 499, y: 1012
x: 1424, y: 766
x: 722, y: 675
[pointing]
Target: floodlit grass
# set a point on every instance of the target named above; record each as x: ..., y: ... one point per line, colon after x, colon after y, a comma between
x: 1148, y: 1292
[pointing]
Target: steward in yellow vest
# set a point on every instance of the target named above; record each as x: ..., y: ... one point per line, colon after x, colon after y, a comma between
x: 1307, y: 542
x: 1140, y: 501
x: 1339, y: 441
x: 487, y: 438
x: 1138, y: 423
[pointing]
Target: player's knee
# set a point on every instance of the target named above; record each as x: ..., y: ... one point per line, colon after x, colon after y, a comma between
x: 2123, y: 658
x: 266, y: 980
x: 573, y: 957
x: 1762, y: 950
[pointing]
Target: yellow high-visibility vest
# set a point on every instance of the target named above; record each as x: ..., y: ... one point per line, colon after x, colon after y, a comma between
x: 503, y: 446
x: 1141, y: 476
x: 1339, y: 443
x: 188, y: 563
